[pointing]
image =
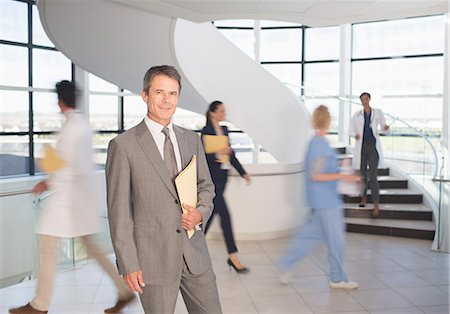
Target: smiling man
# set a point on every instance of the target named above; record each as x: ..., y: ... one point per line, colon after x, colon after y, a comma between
x: 153, y: 252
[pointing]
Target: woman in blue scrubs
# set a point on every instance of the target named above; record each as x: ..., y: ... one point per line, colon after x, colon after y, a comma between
x: 325, y: 221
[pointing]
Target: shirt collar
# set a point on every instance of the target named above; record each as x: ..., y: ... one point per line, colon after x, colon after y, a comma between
x: 155, y: 127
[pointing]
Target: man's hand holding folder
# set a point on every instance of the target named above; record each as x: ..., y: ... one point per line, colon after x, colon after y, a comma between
x: 186, y: 184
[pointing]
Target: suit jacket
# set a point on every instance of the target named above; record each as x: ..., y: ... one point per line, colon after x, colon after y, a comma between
x: 215, y: 167
x: 144, y: 209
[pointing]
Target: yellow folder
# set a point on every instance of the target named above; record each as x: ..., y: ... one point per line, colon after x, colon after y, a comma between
x: 186, y: 184
x: 51, y: 161
x: 215, y: 143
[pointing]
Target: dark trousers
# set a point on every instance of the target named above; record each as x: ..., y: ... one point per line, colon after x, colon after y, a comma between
x: 369, y: 157
x: 221, y: 209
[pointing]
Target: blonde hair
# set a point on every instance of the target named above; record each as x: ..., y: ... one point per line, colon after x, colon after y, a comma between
x: 321, y: 117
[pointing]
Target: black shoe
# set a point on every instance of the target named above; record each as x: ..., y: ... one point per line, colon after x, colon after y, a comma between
x: 238, y: 270
x: 363, y: 201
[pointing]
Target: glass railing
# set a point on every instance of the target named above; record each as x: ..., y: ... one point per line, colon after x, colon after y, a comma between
x: 21, y: 265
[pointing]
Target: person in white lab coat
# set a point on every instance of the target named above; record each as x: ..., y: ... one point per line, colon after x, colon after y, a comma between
x: 71, y: 210
x: 364, y: 127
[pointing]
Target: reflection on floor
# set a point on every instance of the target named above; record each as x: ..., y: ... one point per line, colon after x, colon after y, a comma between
x: 395, y: 275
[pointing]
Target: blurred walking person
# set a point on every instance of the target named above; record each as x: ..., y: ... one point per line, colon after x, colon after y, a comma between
x: 325, y: 220
x: 219, y: 173
x: 71, y: 210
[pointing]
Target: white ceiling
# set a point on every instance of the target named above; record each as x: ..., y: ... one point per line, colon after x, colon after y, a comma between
x: 306, y: 12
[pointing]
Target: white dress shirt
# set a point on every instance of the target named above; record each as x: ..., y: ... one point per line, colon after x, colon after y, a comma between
x: 159, y: 137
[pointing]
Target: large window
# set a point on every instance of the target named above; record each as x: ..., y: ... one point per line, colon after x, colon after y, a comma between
x: 401, y: 64
x: 29, y: 68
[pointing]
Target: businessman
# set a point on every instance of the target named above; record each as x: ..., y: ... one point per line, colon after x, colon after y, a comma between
x: 148, y: 229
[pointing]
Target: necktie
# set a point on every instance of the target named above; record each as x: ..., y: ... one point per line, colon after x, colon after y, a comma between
x: 169, y: 155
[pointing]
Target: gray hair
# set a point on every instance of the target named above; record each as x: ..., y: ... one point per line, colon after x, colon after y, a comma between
x: 166, y: 70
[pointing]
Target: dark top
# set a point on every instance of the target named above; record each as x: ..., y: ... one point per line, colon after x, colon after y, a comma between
x: 368, y: 134
x: 214, y: 166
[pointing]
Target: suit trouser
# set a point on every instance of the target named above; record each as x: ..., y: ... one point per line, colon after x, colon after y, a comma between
x: 369, y: 156
x: 199, y: 294
x: 321, y: 225
x: 221, y: 209
x: 48, y: 258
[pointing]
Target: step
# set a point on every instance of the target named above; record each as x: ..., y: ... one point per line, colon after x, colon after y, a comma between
x: 391, y: 211
x: 392, y: 227
x: 388, y: 182
x: 395, y: 196
x: 340, y: 149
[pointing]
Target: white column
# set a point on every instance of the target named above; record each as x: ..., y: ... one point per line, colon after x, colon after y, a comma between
x: 82, y: 83
x: 444, y: 221
x: 257, y: 45
x: 345, y: 72
x: 446, y: 92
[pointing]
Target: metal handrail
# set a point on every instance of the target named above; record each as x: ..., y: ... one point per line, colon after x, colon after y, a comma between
x: 14, y: 193
x: 394, y: 118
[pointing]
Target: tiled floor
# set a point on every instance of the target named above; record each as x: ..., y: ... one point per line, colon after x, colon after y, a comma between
x: 396, y: 275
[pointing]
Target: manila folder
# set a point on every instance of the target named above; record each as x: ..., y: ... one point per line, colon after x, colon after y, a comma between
x: 51, y: 161
x: 186, y: 184
x: 214, y: 144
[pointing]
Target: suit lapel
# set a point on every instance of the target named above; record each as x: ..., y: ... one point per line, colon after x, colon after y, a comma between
x: 148, y: 145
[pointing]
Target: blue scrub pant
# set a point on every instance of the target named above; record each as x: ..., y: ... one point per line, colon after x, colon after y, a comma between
x: 322, y: 225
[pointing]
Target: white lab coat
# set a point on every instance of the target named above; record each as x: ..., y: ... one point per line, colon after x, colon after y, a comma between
x: 72, y: 209
x: 357, y: 127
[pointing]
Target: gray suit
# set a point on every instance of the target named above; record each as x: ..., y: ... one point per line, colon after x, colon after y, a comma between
x: 145, y: 221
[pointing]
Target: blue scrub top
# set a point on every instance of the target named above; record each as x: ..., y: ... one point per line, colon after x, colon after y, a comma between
x: 321, y: 194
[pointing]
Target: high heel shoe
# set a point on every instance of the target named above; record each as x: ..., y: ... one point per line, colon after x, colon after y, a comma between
x: 238, y: 270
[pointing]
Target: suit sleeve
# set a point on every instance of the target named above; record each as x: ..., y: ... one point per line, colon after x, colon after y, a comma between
x: 121, y: 224
x: 236, y: 164
x: 233, y: 160
x: 205, y: 186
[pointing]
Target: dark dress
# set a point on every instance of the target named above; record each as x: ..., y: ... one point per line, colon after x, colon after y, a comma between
x: 219, y: 177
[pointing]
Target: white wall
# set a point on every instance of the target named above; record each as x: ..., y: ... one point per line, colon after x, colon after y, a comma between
x: 271, y: 207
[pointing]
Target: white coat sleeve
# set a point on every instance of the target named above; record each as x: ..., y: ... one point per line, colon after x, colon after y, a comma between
x: 382, y: 121
x: 352, y: 127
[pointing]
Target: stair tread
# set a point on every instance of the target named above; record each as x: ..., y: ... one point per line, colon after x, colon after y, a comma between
x: 397, y: 192
x: 393, y: 223
x: 391, y: 206
x: 389, y: 178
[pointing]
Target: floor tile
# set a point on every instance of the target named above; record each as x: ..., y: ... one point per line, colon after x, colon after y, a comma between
x: 433, y: 276
x: 379, y: 299
x: 423, y: 296
x: 396, y: 275
x: 281, y: 304
x: 333, y: 301
x: 401, y: 279
x: 439, y: 309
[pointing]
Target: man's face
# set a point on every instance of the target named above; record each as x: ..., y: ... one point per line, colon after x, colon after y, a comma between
x: 162, y: 98
x: 365, y: 100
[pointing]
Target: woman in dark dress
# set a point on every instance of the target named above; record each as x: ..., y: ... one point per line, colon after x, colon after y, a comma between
x: 219, y: 173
